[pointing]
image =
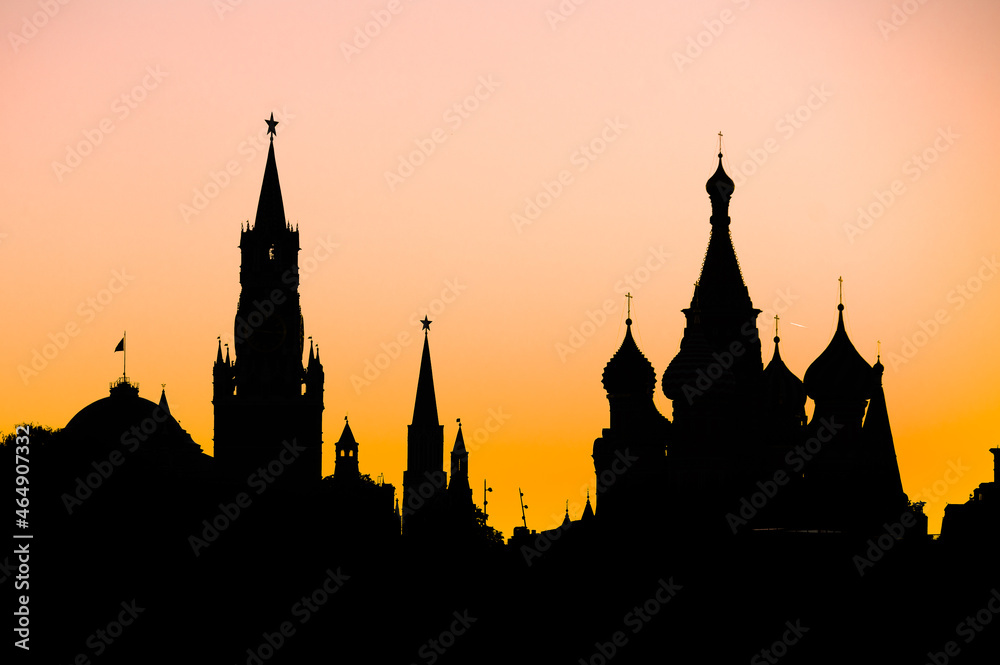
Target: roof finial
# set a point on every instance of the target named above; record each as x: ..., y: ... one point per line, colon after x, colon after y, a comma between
x: 841, y: 305
x: 720, y: 144
x: 271, y: 124
x: 426, y: 323
x: 628, y: 300
x: 776, y: 338
x: 878, y: 350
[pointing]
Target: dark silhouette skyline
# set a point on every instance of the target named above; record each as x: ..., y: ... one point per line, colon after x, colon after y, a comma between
x: 734, y: 529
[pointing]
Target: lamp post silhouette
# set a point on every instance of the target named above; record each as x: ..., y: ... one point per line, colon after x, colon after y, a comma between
x: 523, y: 508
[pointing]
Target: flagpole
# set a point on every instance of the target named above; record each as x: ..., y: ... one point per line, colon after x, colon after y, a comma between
x: 124, y: 355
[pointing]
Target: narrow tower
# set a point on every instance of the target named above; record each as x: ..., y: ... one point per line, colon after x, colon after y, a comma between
x: 629, y: 458
x: 268, y: 408
x: 459, y: 490
x: 346, y: 467
x: 424, y: 477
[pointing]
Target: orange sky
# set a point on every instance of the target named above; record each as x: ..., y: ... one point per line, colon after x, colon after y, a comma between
x: 122, y: 119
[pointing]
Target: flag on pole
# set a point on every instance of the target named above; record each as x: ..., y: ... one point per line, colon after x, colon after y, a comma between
x: 121, y: 346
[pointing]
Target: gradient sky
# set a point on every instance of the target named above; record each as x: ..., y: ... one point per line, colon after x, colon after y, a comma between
x: 121, y: 118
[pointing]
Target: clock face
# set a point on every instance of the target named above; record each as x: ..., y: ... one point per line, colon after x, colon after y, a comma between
x: 269, y: 335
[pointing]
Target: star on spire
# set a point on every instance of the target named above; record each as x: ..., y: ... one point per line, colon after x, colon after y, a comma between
x: 271, y: 125
x: 427, y: 324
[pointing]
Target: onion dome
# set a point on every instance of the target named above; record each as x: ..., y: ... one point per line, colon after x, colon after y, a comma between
x: 783, y: 389
x: 629, y: 372
x: 720, y: 186
x: 695, y: 370
x: 839, y: 373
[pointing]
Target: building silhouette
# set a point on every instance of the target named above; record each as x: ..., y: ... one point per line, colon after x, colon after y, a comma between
x: 265, y: 398
x: 736, y: 424
x: 424, y: 479
x: 717, y: 531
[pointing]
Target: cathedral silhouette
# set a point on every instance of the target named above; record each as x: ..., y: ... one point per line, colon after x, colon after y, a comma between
x: 734, y: 529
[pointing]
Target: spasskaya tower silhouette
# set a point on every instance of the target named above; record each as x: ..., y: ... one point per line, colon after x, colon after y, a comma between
x: 268, y: 407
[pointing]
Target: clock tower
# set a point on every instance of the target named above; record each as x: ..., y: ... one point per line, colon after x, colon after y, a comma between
x: 268, y: 407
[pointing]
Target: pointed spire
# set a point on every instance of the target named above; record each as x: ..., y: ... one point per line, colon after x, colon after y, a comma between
x: 270, y: 207
x: 877, y: 435
x: 459, y: 485
x: 720, y: 288
x: 163, y: 398
x: 218, y: 355
x: 425, y: 406
x: 227, y: 355
x: 459, y: 448
x: 347, y: 436
x: 346, y: 465
x: 588, y: 510
x: 566, y: 520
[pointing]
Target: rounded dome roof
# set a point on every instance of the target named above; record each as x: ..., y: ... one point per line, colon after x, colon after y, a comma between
x: 112, y: 420
x: 782, y: 387
x: 629, y: 371
x: 695, y: 371
x: 839, y: 373
x: 720, y: 184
